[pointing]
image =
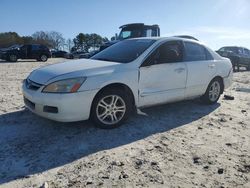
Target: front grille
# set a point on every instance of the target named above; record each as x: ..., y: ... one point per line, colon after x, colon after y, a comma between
x: 32, y: 85
x: 29, y: 104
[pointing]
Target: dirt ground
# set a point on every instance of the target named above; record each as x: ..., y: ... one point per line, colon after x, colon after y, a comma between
x: 183, y: 144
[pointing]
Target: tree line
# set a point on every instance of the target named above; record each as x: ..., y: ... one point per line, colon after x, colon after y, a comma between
x: 54, y: 40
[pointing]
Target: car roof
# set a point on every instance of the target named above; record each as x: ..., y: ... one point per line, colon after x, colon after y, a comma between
x: 234, y: 47
x: 169, y: 39
x: 137, y: 25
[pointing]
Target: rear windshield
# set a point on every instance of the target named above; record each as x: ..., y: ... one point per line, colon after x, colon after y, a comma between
x: 124, y: 51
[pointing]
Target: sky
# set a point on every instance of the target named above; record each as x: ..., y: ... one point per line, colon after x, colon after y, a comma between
x: 217, y: 23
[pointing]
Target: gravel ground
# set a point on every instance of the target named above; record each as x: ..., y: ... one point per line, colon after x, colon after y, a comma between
x: 183, y: 144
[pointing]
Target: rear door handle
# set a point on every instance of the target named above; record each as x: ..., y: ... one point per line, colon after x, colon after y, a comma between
x: 211, y: 65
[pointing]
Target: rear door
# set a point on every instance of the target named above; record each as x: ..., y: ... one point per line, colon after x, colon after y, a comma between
x: 163, y: 75
x: 201, y: 68
x: 35, y: 51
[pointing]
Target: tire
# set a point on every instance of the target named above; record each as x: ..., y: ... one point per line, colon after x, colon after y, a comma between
x: 12, y: 58
x: 213, y: 92
x: 248, y: 68
x: 43, y: 58
x: 110, y: 108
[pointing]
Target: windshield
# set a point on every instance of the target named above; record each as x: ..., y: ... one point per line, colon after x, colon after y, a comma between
x: 127, y: 33
x: 15, y: 46
x: 124, y: 51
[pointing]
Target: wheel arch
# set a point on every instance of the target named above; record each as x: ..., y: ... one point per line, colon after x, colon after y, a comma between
x: 117, y: 85
x: 221, y: 80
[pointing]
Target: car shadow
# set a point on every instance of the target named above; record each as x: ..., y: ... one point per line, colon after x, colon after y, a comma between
x: 30, y: 144
x: 20, y: 61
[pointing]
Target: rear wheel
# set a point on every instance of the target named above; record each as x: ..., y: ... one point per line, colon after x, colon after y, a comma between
x: 110, y: 109
x: 43, y: 58
x: 213, y: 91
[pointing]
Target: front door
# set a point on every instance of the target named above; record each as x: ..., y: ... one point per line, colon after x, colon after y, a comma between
x: 163, y: 75
x: 23, y: 52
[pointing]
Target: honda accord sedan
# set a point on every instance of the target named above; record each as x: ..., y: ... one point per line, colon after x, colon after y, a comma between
x: 134, y: 73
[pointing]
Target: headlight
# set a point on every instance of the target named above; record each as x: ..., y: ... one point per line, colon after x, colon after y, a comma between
x: 65, y: 86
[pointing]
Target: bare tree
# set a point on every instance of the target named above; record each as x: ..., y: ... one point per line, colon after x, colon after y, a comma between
x: 42, y: 37
x: 51, y: 39
x: 56, y: 39
x: 69, y: 44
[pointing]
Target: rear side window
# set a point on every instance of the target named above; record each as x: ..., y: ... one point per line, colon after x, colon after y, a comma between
x: 195, y: 52
x: 208, y: 55
x: 246, y: 52
x: 35, y: 47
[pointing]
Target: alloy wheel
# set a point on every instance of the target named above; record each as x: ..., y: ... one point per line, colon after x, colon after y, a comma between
x: 44, y: 58
x: 110, y: 109
x: 13, y: 58
x: 214, y: 91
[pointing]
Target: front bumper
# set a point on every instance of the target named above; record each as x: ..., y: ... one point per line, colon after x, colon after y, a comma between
x: 62, y: 107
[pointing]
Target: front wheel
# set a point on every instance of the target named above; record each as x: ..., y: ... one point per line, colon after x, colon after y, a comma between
x: 213, y: 92
x: 110, y: 109
x: 12, y: 58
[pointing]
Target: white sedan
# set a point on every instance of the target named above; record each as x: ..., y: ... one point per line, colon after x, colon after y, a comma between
x: 131, y: 74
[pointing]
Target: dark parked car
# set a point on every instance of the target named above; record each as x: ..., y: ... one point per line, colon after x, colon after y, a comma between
x: 88, y: 55
x: 58, y: 53
x: 75, y: 55
x: 30, y: 51
x: 239, y: 56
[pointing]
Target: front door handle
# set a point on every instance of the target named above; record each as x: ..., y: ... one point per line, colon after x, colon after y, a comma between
x: 179, y: 70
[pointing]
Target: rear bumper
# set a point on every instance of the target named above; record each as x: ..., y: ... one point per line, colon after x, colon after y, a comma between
x: 59, y: 107
x: 228, y: 80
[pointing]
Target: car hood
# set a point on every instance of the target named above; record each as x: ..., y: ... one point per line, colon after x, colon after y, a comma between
x: 70, y: 69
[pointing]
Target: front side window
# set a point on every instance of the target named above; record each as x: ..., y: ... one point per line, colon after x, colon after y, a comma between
x: 23, y: 48
x: 170, y: 52
x: 221, y: 49
x: 124, y: 51
x: 194, y: 52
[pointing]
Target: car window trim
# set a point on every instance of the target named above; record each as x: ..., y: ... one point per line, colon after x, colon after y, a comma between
x: 156, y: 47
